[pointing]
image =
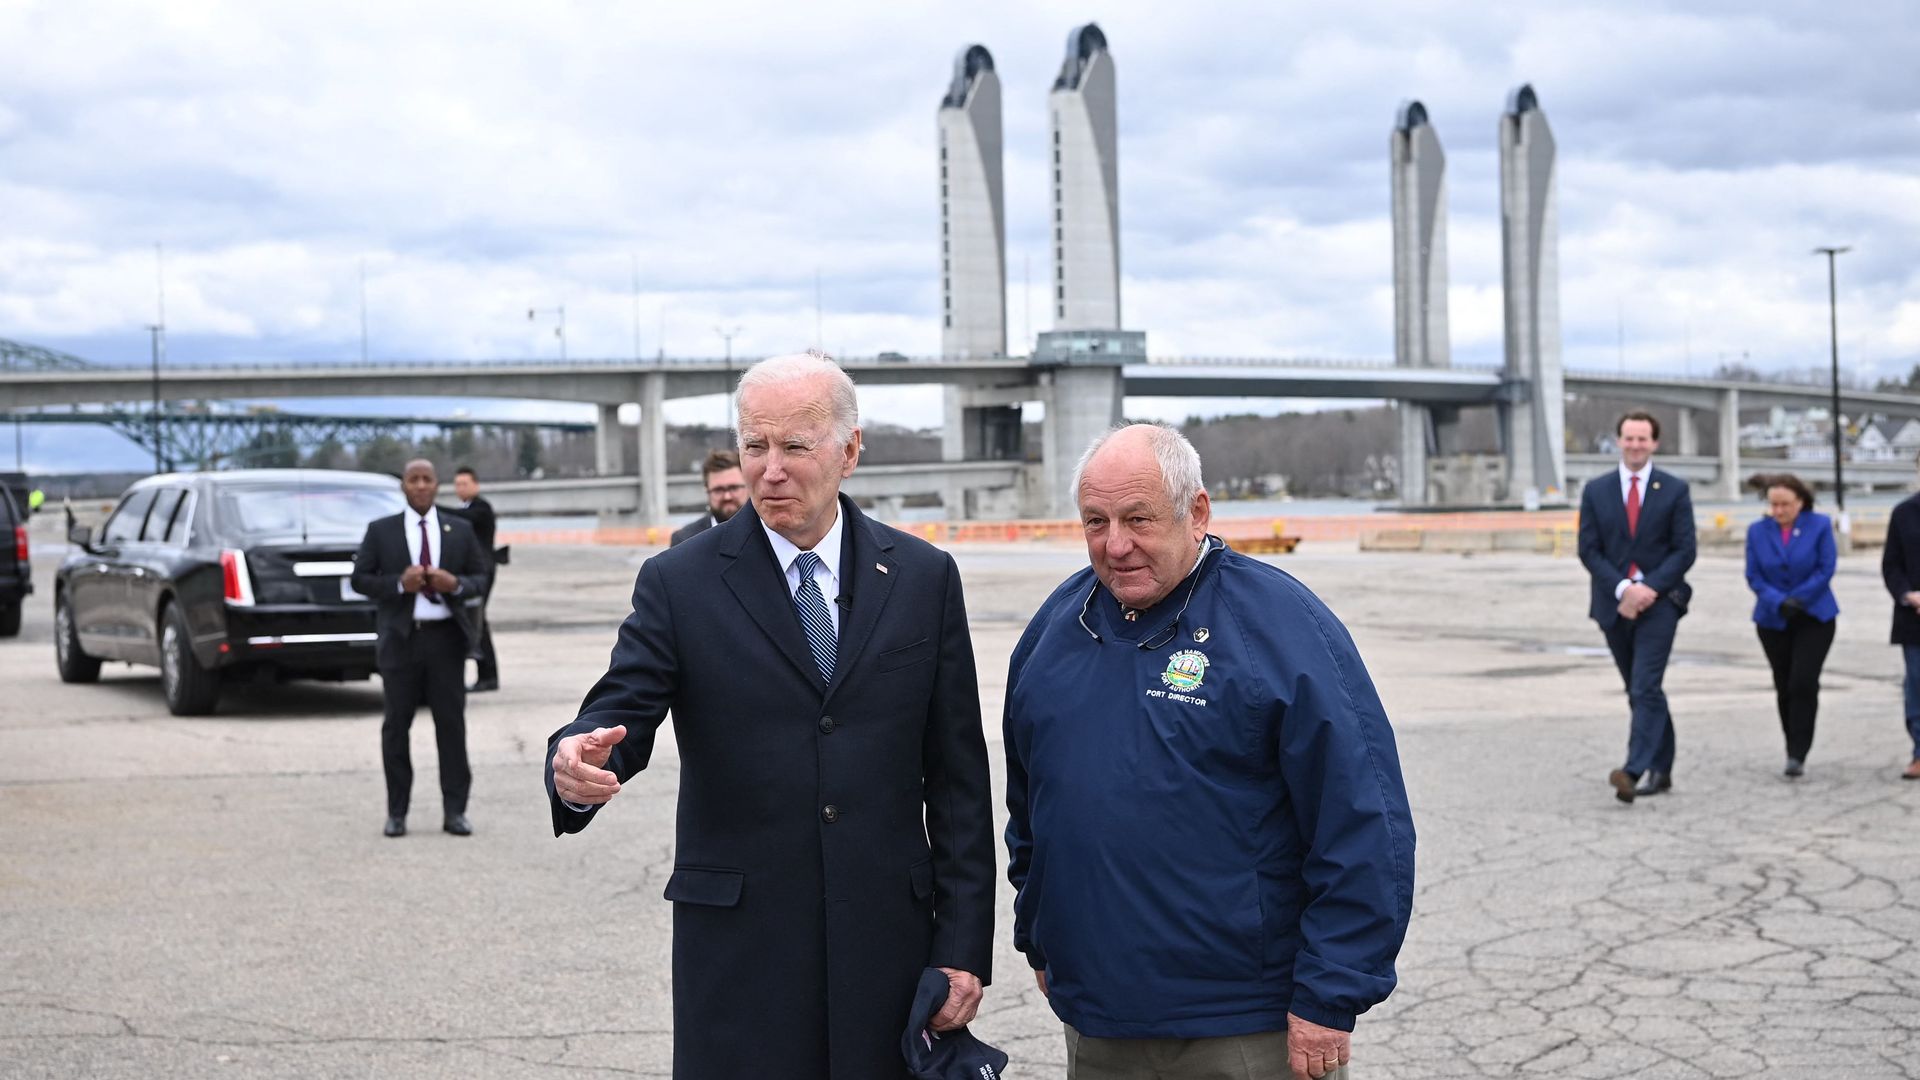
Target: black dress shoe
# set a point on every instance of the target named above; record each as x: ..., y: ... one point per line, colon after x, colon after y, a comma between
x: 1796, y: 767
x: 1622, y: 782
x: 397, y: 826
x: 1656, y: 783
x: 481, y: 686
x: 458, y: 825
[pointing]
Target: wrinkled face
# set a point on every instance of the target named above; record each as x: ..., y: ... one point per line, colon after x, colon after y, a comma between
x: 420, y: 484
x: 791, y: 464
x: 1637, y: 444
x: 465, y: 486
x: 1783, y: 505
x: 726, y: 493
x: 1139, y: 549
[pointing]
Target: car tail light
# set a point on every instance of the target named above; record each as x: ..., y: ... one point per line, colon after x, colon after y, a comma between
x: 20, y: 553
x: 239, y: 583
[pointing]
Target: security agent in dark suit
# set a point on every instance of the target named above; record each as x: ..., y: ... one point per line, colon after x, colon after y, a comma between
x: 834, y: 835
x: 726, y: 494
x: 428, y: 575
x: 1637, y: 542
x: 1900, y: 569
x: 479, y: 513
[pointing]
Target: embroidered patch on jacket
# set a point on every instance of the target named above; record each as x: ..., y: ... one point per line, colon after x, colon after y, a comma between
x: 1185, y: 670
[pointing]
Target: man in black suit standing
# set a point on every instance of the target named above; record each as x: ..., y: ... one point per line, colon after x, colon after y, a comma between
x: 1900, y: 569
x: 726, y: 494
x: 479, y: 513
x: 835, y: 828
x: 428, y: 576
x: 1637, y: 543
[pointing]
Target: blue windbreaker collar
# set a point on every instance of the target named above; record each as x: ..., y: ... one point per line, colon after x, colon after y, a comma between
x: 1160, y: 636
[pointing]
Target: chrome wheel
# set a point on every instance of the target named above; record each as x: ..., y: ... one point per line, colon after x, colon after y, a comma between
x: 62, y: 630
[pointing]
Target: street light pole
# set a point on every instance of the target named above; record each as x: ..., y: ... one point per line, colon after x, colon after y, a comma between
x: 158, y: 329
x: 1833, y: 329
x: 560, y: 331
x: 155, y: 329
x: 727, y: 334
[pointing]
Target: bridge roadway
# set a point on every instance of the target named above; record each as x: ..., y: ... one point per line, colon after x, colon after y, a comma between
x: 616, y: 382
x: 1071, y: 391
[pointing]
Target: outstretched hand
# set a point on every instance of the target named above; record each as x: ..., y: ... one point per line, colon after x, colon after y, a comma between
x: 579, y: 773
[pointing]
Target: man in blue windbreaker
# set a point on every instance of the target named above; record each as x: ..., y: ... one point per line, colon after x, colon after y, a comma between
x: 1209, y: 835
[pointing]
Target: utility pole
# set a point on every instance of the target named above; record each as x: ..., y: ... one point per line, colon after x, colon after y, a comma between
x: 1833, y: 329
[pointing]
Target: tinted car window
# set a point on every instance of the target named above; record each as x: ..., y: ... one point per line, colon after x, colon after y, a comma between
x: 182, y: 521
x: 126, y: 521
x: 316, y: 511
x: 164, y: 507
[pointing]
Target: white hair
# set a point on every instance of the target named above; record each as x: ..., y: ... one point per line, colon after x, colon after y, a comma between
x: 800, y: 367
x: 1179, y: 463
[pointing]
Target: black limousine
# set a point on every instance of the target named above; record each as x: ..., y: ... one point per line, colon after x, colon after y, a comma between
x: 221, y: 576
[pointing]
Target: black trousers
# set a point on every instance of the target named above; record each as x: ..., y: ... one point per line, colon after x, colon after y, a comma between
x: 1796, y: 655
x: 435, y: 674
x: 487, y: 668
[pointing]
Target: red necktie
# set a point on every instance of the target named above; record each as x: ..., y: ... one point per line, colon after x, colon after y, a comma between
x: 426, y: 552
x: 1633, y: 516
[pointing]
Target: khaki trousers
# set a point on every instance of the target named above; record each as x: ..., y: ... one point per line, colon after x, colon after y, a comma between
x: 1232, y: 1057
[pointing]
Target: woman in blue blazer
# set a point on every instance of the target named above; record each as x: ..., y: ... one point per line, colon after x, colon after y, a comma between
x: 1790, y: 562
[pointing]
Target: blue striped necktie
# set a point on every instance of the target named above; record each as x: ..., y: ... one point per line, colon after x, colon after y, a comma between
x: 813, y: 614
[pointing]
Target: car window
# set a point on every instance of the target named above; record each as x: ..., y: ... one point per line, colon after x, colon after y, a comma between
x: 158, y: 518
x: 126, y: 521
x: 333, y: 512
x: 182, y: 525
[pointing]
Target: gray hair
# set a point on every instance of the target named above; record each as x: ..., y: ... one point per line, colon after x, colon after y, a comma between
x: 799, y: 367
x: 1179, y: 463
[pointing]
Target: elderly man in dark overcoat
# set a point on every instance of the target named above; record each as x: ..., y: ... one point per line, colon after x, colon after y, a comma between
x: 835, y: 828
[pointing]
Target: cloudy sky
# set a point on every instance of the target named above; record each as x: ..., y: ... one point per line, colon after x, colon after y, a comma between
x: 477, y: 159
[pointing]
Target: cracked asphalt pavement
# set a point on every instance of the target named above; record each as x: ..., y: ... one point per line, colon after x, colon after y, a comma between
x: 211, y: 897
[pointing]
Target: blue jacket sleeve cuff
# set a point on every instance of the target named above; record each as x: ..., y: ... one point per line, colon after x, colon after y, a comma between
x: 1327, y: 1018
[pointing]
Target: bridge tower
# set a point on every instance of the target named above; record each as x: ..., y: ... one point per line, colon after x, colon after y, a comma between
x: 973, y: 217
x: 973, y: 264
x: 1419, y: 183
x: 1086, y: 186
x: 1533, y: 419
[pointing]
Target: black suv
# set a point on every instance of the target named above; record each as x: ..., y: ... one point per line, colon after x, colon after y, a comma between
x: 16, y: 565
x: 219, y: 575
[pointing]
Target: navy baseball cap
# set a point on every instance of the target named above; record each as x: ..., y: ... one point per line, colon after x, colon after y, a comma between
x: 944, y: 1055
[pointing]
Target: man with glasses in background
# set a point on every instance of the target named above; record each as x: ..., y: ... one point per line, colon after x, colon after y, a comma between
x: 726, y: 494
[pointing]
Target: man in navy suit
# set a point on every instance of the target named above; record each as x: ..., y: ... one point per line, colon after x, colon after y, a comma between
x: 835, y: 829
x: 1636, y: 540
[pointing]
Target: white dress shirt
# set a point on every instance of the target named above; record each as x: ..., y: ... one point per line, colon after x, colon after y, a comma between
x: 424, y: 610
x: 828, y: 573
x: 1645, y: 474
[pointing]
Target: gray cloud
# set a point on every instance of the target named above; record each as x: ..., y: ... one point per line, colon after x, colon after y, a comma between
x: 495, y: 158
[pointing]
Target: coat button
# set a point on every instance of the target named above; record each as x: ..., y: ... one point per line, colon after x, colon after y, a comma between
x: 826, y: 725
x: 830, y: 814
